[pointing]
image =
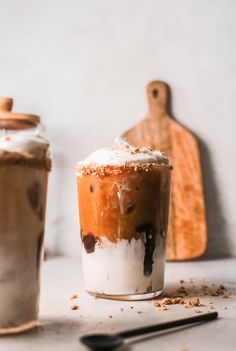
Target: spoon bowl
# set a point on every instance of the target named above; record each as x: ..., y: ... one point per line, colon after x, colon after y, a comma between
x: 102, y: 341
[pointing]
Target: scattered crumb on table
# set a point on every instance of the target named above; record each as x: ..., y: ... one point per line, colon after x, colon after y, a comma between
x: 74, y: 296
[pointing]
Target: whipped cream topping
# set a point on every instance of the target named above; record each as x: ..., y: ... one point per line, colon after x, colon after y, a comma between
x: 123, y: 153
x: 27, y: 143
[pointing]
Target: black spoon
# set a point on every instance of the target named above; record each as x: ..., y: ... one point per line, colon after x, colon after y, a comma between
x: 112, y: 341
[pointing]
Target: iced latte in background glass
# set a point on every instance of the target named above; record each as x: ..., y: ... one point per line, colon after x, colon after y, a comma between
x: 123, y: 204
x: 24, y: 167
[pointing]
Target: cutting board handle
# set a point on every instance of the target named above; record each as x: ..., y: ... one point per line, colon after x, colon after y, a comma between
x: 157, y: 95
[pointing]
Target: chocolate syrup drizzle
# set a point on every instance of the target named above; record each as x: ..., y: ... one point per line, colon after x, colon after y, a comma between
x: 149, y: 230
x: 39, y: 248
x: 89, y: 241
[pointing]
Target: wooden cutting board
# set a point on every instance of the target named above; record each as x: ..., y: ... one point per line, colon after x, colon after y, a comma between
x: 187, y: 234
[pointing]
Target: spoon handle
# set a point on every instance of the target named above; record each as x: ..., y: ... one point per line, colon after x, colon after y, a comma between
x: 168, y: 325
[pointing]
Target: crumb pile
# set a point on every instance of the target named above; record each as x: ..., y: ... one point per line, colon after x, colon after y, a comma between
x: 177, y: 300
x: 190, y: 297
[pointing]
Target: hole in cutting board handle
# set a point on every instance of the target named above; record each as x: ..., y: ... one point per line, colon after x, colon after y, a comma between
x: 155, y: 93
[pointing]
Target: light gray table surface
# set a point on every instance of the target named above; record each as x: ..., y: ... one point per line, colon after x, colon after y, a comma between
x: 62, y: 327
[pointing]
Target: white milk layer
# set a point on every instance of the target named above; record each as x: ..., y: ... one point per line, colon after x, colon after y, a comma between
x: 117, y: 268
x: 123, y: 153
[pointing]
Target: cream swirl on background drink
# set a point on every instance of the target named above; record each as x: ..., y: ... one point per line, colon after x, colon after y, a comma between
x: 123, y: 202
x: 24, y: 166
x: 28, y: 144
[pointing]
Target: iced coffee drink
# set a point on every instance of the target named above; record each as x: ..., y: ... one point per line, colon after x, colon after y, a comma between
x: 24, y: 167
x: 123, y: 204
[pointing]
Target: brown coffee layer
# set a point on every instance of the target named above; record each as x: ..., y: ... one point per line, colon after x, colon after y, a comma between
x: 18, y: 159
x: 124, y: 205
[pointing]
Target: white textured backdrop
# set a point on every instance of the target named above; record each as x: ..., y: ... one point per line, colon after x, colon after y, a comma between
x: 83, y: 66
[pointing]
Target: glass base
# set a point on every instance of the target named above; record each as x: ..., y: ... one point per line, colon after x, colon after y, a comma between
x: 128, y: 297
x: 20, y: 329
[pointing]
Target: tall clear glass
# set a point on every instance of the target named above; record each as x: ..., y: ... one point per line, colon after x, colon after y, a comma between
x: 124, y: 219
